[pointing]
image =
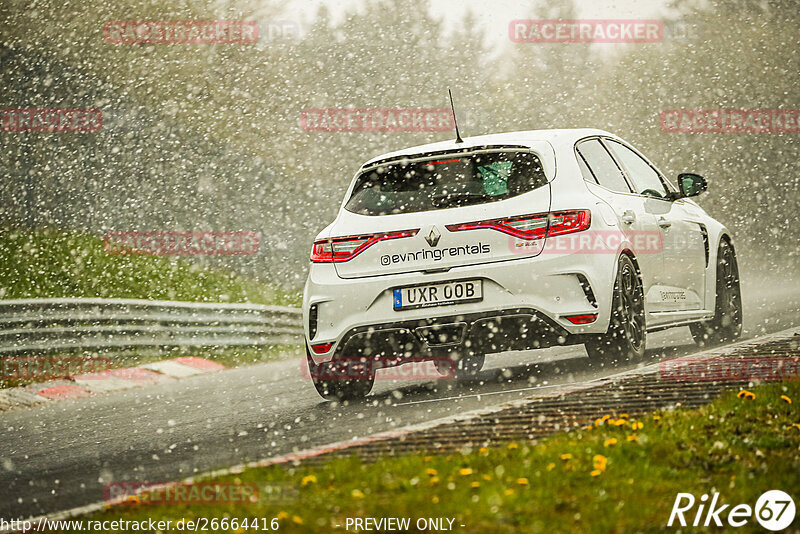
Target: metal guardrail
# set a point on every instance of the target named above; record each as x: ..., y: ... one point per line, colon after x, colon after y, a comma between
x: 44, y: 325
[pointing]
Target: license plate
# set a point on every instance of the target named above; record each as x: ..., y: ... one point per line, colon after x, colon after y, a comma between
x: 440, y: 294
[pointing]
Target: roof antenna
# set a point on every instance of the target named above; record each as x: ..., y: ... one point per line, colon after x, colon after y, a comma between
x: 455, y: 121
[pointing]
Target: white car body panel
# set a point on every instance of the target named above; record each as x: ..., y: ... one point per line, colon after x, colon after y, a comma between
x: 545, y: 278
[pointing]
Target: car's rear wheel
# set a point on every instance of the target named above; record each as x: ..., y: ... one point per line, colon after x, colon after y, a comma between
x: 626, y: 335
x: 726, y: 326
x: 342, y: 379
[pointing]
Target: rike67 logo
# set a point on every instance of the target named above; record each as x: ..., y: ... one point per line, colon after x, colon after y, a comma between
x: 774, y: 510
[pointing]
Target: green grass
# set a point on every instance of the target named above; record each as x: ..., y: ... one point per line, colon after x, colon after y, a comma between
x: 51, y: 264
x: 57, y: 264
x: 737, y: 447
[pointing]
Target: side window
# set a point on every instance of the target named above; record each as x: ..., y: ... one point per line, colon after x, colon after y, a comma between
x: 602, y: 165
x: 645, y: 179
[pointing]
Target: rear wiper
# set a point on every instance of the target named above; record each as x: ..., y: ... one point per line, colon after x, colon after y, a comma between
x: 458, y: 198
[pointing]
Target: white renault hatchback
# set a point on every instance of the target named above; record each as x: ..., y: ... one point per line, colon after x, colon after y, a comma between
x: 454, y: 250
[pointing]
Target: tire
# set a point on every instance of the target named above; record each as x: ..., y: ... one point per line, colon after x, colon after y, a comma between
x: 467, y: 364
x: 626, y: 336
x: 726, y: 326
x: 342, y: 380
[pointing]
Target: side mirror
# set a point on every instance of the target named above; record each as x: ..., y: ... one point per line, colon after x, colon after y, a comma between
x: 691, y: 184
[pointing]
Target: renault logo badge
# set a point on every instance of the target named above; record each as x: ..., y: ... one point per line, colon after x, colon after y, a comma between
x: 433, y: 237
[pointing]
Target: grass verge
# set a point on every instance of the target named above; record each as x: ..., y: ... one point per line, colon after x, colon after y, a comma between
x: 50, y: 264
x: 619, y: 476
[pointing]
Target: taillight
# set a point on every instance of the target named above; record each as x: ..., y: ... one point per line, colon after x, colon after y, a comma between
x: 534, y: 226
x: 340, y: 249
x: 582, y: 319
x: 566, y: 222
x: 321, y: 348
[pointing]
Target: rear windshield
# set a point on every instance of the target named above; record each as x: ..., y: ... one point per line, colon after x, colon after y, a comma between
x: 445, y: 182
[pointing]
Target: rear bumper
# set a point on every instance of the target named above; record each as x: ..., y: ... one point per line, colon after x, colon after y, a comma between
x: 394, y: 343
x: 530, y: 297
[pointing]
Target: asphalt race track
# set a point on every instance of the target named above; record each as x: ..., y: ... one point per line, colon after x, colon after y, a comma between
x: 58, y: 457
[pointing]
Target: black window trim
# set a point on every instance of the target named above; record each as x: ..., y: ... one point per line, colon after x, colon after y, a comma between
x: 628, y: 180
x: 580, y: 158
x: 604, y: 140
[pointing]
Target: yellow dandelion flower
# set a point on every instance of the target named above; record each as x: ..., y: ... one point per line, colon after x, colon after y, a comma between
x: 309, y: 479
x: 435, y: 499
x: 596, y: 473
x: 434, y: 480
x: 744, y: 394
x: 618, y: 422
x: 487, y: 478
x: 656, y: 418
x: 637, y: 425
x: 551, y: 466
x: 797, y: 426
x: 633, y: 437
x: 512, y: 446
x: 282, y: 515
x: 588, y: 427
x: 599, y: 461
x: 623, y: 416
x: 606, y: 417
x: 465, y: 471
x: 427, y: 459
x: 431, y: 472
x: 566, y: 456
x: 609, y: 442
x: 475, y: 484
x: 483, y: 450
x: 786, y: 398
x: 522, y: 481
x: 297, y: 519
x: 599, y: 422
x: 509, y: 492
x: 357, y: 494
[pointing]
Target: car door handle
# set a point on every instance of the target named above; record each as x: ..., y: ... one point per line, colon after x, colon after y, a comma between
x: 628, y: 217
x: 664, y: 223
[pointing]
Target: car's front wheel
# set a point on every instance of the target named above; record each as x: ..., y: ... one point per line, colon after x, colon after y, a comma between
x: 626, y: 334
x: 726, y: 326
